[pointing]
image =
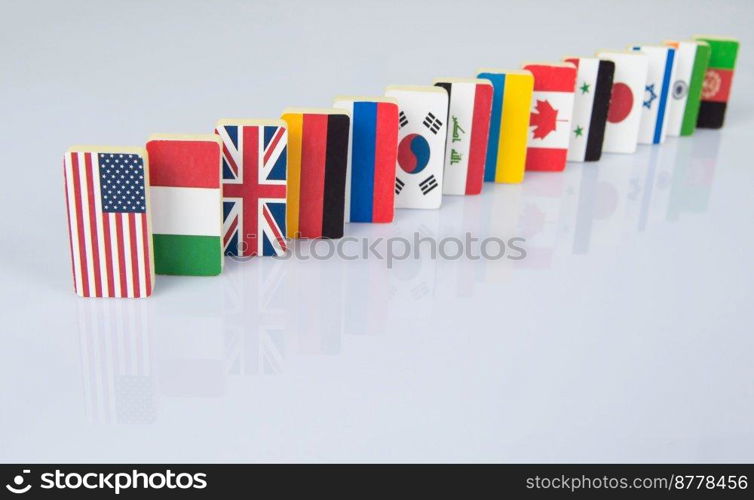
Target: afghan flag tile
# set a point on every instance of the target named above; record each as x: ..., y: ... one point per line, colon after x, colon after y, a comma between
x: 657, y: 90
x: 505, y: 161
x: 692, y: 58
x: 317, y: 162
x: 422, y: 116
x: 624, y: 113
x: 254, y: 166
x: 109, y: 225
x: 594, y: 83
x: 187, y: 203
x: 717, y: 80
x: 469, y: 108
x: 373, y: 150
x: 551, y: 111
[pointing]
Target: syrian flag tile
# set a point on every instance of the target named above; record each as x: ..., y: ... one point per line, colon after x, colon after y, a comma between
x: 660, y: 78
x: 550, y: 121
x: 421, y: 145
x: 594, y: 82
x: 624, y: 113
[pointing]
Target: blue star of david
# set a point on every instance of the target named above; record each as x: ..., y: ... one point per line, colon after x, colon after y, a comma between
x: 649, y: 93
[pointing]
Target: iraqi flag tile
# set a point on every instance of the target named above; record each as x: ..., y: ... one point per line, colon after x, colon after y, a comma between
x: 594, y: 82
x: 470, y: 103
x: 660, y: 78
x: 373, y: 149
x: 692, y: 58
x: 317, y: 162
x: 624, y: 113
x: 422, y: 117
x: 551, y: 110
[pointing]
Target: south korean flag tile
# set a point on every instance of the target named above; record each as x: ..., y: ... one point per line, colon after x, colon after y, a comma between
x: 421, y: 145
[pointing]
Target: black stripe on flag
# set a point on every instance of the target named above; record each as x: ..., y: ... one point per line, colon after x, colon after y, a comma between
x: 432, y: 123
x: 428, y: 184
x: 399, y: 186
x: 402, y: 119
x: 711, y: 114
x: 447, y: 86
x: 336, y: 157
x: 602, y: 92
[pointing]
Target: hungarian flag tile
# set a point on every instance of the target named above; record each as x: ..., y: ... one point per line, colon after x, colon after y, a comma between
x: 187, y: 204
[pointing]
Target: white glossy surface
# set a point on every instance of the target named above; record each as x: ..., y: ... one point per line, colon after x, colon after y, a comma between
x: 626, y: 334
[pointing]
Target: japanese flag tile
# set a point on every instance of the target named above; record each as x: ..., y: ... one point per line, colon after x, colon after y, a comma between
x: 624, y: 113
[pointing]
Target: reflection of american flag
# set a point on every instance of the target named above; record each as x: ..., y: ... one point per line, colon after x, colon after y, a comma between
x: 116, y: 363
x: 108, y: 224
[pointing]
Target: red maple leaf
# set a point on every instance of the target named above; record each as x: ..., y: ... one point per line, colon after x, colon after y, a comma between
x: 543, y: 119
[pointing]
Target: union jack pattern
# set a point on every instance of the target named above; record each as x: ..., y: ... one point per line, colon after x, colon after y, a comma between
x: 254, y: 188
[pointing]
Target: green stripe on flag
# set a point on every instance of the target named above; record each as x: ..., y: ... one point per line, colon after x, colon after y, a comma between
x: 693, y: 100
x: 724, y: 52
x: 187, y: 255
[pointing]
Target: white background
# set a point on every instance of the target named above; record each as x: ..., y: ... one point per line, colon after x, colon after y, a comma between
x: 625, y: 335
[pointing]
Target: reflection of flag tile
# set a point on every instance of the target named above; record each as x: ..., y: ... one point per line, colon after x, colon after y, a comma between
x: 116, y: 363
x: 550, y: 121
x: 717, y: 80
x: 373, y: 150
x: 594, y: 83
x: 468, y: 128
x: 692, y: 58
x: 509, y: 124
x: 317, y: 163
x: 254, y: 321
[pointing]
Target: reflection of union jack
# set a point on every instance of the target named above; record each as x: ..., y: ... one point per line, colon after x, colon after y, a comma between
x: 254, y: 186
x: 116, y: 363
x: 254, y: 321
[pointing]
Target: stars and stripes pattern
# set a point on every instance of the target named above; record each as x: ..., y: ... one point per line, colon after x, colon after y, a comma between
x: 254, y: 189
x: 108, y: 222
x: 116, y: 362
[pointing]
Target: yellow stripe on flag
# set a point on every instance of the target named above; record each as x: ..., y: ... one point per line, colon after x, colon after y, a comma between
x: 514, y: 128
x: 295, y: 127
